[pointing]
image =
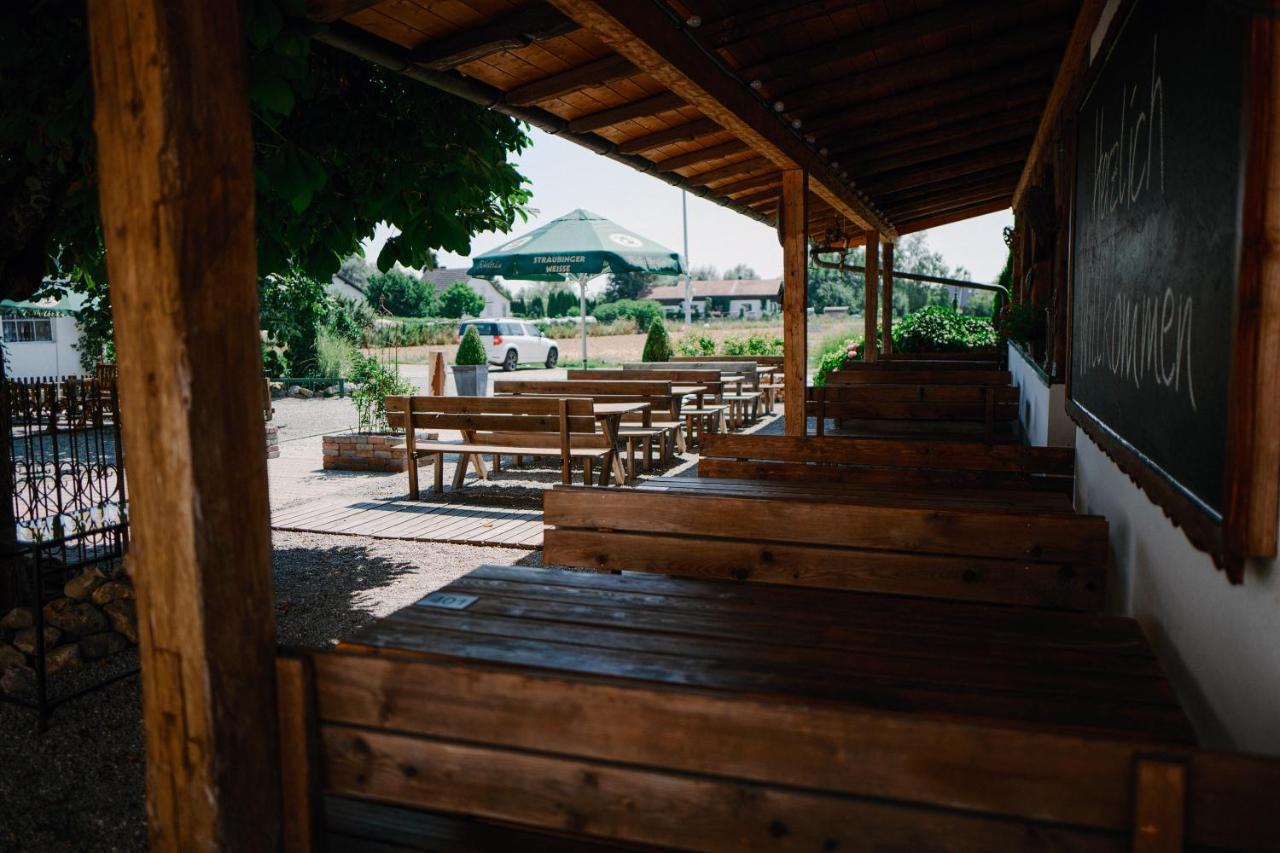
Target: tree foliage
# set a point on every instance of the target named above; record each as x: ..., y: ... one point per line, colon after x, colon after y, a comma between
x: 401, y: 294
x: 461, y: 301
x: 293, y: 306
x: 628, y: 285
x: 740, y: 272
x: 340, y: 145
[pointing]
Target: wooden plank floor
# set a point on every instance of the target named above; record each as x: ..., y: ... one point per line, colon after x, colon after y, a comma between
x: 420, y: 521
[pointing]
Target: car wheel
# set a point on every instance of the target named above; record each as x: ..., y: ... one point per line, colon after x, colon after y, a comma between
x: 552, y: 357
x: 509, y: 363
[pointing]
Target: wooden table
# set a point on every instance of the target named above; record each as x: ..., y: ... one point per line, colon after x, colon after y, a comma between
x: 696, y: 391
x: 1004, y: 500
x: 609, y: 416
x: 1075, y: 673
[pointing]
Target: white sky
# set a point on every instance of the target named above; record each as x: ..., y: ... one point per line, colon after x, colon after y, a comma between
x: 565, y: 176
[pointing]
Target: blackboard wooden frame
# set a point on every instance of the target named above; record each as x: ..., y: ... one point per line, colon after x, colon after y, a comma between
x: 1248, y: 525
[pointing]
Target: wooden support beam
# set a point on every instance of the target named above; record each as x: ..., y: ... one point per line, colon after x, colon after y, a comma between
x: 175, y: 165
x: 728, y: 171
x: 911, y: 226
x: 967, y: 163
x: 679, y: 133
x: 765, y: 179
x: 702, y: 155
x: 650, y: 37
x: 1074, y: 60
x: 1000, y: 174
x: 995, y: 131
x: 886, y: 346
x: 1159, y: 805
x: 795, y: 299
x: 770, y: 195
x: 606, y: 69
x: 650, y: 106
x: 930, y: 206
x: 870, y: 297
x: 520, y: 28
x: 327, y: 11
x: 759, y: 18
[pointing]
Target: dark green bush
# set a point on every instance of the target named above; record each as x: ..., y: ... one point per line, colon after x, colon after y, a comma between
x: 471, y: 350
x: 938, y: 328
x: 401, y: 294
x: 657, y: 346
x: 461, y: 301
x: 642, y: 311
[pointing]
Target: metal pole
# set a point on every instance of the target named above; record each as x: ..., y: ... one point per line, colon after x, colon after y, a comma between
x: 582, y: 307
x: 688, y: 282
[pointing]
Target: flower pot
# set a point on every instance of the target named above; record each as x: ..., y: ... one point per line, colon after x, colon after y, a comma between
x: 471, y: 380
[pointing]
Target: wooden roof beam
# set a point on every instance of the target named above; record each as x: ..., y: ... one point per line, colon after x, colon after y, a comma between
x: 938, y: 219
x: 729, y: 171
x: 657, y: 43
x: 679, y: 133
x: 651, y: 106
x: 910, y: 137
x: 990, y: 133
x: 984, y: 178
x: 1074, y: 61
x: 606, y: 69
x: 760, y: 18
x: 1016, y: 15
x: 750, y: 183
x: 952, y: 167
x: 520, y: 28
x: 702, y: 155
x: 950, y: 201
x: 327, y: 11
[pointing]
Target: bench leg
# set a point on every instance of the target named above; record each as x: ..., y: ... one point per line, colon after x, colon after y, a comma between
x: 439, y: 465
x: 688, y: 422
x: 586, y: 471
x: 497, y: 462
x: 413, y: 476
x: 613, y: 462
x: 631, y: 457
x: 647, y: 461
x: 460, y: 473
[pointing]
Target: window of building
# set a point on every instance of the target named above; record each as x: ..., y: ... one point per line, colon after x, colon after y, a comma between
x: 21, y: 330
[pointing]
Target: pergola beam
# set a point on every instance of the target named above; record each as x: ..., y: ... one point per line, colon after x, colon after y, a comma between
x: 967, y: 163
x: 924, y: 223
x: 680, y: 133
x: 651, y: 106
x: 606, y: 69
x: 764, y: 179
x: 702, y: 155
x: 996, y: 132
x: 729, y: 170
x: 508, y: 32
x: 768, y: 16
x: 669, y: 54
x: 327, y: 11
x: 973, y: 128
x: 794, y: 231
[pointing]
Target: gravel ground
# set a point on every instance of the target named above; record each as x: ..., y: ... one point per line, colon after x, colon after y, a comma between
x: 80, y: 785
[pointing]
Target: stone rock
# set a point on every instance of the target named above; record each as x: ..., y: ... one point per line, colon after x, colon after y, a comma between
x: 19, y: 681
x: 10, y: 657
x: 300, y: 393
x: 111, y: 591
x: 124, y: 618
x: 63, y: 657
x: 25, y: 639
x: 102, y: 645
x: 77, y: 619
x: 17, y: 619
x: 80, y: 587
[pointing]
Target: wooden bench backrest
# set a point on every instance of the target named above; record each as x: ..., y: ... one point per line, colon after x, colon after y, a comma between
x: 654, y: 392
x: 678, y: 376
x: 949, y: 402
x: 747, y: 369
x: 1048, y: 559
x: 884, y: 462
x: 767, y: 360
x: 911, y: 374
x: 673, y: 768
x: 964, y: 358
x: 493, y: 414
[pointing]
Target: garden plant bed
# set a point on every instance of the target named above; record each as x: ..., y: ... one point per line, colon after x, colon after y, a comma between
x: 363, y: 451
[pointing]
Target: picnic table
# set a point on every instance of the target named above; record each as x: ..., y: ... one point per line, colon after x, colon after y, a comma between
x: 609, y: 416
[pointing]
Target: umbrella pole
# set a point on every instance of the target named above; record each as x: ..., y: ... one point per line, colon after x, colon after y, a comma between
x: 582, y: 308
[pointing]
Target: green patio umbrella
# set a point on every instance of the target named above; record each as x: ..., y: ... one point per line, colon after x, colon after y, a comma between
x: 576, y: 247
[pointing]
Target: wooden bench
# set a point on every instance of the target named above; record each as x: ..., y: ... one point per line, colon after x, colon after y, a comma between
x: 770, y: 388
x: 986, y: 412
x: 529, y: 426
x: 744, y: 403
x: 661, y: 427
x: 699, y: 419
x: 944, y: 548
x: 882, y: 463
x: 911, y: 373
x: 525, y: 709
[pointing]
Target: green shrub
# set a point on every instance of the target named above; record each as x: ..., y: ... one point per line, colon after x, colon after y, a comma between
x: 694, y: 345
x: 657, y: 346
x: 401, y: 294
x: 641, y: 311
x: 349, y: 319
x: 834, y: 352
x: 273, y: 362
x: 938, y: 328
x: 335, y: 355
x: 375, y: 382
x: 412, y: 333
x: 572, y: 331
x: 1021, y: 322
x: 461, y: 301
x: 757, y: 343
x: 471, y: 350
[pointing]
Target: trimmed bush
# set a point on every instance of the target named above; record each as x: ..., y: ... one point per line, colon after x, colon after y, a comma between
x: 471, y: 350
x: 641, y: 311
x: 938, y: 328
x: 657, y: 346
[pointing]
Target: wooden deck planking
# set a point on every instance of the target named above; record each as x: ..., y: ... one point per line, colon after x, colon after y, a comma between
x: 430, y: 521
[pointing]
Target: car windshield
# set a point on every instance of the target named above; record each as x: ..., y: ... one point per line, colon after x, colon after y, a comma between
x: 485, y: 329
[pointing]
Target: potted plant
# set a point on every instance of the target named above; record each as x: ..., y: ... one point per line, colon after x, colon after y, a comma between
x: 471, y: 366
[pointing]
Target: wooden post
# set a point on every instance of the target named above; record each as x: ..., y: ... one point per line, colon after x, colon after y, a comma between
x: 175, y: 165
x: 438, y: 376
x: 794, y: 213
x: 871, y: 298
x: 886, y: 345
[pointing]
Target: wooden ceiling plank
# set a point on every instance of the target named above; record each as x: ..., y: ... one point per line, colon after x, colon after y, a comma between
x: 951, y: 201
x: 941, y: 170
x: 645, y: 34
x: 913, y: 139
x: 327, y: 11
x: 652, y: 105
x: 730, y: 170
x: 606, y: 69
x: 679, y: 133
x: 507, y: 32
x: 991, y: 133
x: 762, y: 180
x: 761, y: 18
x: 938, y: 220
x: 1074, y: 60
x: 702, y: 155
x: 990, y: 176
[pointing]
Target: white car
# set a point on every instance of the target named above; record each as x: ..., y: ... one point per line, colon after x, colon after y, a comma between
x: 511, y: 343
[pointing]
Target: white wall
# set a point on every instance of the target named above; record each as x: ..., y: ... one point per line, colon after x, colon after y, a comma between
x: 1041, y: 408
x: 1219, y: 643
x: 753, y: 306
x: 40, y: 358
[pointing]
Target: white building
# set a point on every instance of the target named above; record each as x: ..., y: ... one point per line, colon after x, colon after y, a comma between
x: 41, y: 338
x: 749, y: 298
x: 496, y: 302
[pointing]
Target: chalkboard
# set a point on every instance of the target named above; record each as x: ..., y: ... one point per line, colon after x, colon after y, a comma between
x: 1160, y: 158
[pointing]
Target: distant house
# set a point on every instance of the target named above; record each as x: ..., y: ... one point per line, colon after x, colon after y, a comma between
x: 497, y: 302
x: 752, y: 299
x: 40, y: 338
x: 341, y: 285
